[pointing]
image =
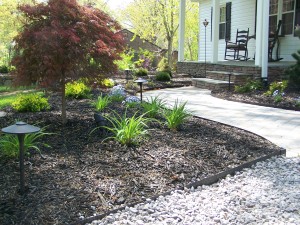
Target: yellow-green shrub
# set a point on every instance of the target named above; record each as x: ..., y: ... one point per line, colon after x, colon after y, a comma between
x: 30, y: 103
x: 77, y: 89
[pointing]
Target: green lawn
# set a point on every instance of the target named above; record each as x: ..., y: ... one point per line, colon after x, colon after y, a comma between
x: 10, y: 89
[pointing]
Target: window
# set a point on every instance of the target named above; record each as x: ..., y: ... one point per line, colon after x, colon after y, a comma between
x: 282, y: 10
x: 222, y: 25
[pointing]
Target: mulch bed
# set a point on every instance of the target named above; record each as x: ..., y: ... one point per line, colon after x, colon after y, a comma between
x: 258, y: 98
x: 81, y: 176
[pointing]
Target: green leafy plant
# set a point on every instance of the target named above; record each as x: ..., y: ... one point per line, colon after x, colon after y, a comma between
x: 163, y: 66
x: 141, y: 72
x: 277, y: 86
x: 4, y: 69
x: 177, y: 115
x: 153, y: 106
x: 126, y: 61
x: 77, y: 90
x: 251, y: 85
x: 9, y: 144
x: 278, y: 98
x: 128, y: 131
x: 102, y: 102
x: 33, y: 102
x: 162, y: 76
x: 294, y: 71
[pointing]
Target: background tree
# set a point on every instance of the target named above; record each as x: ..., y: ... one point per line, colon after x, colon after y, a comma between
x: 63, y: 40
x: 157, y: 21
x: 9, y: 27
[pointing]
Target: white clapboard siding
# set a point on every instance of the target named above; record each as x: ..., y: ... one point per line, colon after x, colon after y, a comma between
x: 242, y: 17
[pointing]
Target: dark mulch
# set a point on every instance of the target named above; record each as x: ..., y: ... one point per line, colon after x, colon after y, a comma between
x: 81, y: 176
x: 258, y: 98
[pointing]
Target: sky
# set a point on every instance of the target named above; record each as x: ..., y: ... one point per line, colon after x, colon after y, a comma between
x: 116, y: 4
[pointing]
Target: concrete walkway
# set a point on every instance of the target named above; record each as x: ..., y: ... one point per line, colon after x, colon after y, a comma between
x: 280, y: 126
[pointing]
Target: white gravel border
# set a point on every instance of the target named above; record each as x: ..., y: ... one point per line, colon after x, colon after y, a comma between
x: 267, y: 193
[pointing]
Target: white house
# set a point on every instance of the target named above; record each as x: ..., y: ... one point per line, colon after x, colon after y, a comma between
x: 260, y: 16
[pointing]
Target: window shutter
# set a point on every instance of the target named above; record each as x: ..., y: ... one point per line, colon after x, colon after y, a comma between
x: 228, y: 21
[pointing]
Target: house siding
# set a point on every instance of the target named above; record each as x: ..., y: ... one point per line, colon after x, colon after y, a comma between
x: 242, y: 17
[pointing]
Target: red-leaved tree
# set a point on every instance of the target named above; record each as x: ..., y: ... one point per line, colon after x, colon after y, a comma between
x: 63, y: 40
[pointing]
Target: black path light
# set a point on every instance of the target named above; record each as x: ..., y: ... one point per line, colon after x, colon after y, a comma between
x: 21, y: 129
x: 140, y: 81
x: 205, y: 23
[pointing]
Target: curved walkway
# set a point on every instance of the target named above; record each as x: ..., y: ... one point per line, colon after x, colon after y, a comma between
x: 280, y: 126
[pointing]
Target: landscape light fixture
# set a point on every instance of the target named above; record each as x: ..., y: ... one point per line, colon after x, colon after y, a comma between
x: 205, y: 23
x: 21, y: 129
x: 140, y: 81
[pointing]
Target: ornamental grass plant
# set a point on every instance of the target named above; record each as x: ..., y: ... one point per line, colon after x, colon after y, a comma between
x: 153, y: 106
x: 101, y: 102
x: 9, y: 144
x: 177, y: 115
x: 127, y: 131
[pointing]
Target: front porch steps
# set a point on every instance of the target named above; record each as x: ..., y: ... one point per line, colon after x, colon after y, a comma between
x: 219, y: 80
x: 211, y: 84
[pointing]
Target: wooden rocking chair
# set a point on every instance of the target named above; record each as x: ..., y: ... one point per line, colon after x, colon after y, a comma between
x: 238, y: 50
x: 273, y: 40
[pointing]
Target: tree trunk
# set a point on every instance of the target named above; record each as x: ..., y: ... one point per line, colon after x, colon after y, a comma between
x: 63, y: 99
x: 170, y: 48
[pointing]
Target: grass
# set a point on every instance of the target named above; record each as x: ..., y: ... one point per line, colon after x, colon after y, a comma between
x: 7, y: 100
x: 4, y: 88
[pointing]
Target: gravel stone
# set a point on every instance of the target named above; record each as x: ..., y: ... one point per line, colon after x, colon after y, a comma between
x: 267, y: 193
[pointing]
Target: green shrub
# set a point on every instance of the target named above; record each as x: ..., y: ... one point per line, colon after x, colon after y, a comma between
x: 153, y: 106
x: 9, y: 144
x: 278, y: 98
x: 33, y: 102
x: 77, y: 90
x: 4, y: 69
x: 141, y: 72
x: 176, y: 116
x: 128, y: 131
x: 163, y: 66
x: 251, y: 85
x: 294, y: 71
x: 277, y: 86
x: 101, y: 103
x: 162, y: 76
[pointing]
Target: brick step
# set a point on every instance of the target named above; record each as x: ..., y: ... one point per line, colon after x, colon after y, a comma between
x: 237, y: 78
x: 211, y: 84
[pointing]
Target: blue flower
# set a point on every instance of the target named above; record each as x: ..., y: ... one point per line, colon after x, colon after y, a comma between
x: 275, y: 93
x: 118, y: 90
x: 131, y: 99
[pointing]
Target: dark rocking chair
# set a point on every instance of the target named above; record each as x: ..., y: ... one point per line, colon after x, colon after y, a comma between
x: 273, y: 40
x: 238, y: 50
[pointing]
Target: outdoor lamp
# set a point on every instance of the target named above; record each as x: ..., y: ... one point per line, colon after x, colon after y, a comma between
x: 21, y: 129
x: 140, y: 81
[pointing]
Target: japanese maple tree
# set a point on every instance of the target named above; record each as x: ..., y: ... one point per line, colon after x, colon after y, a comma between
x: 63, y: 40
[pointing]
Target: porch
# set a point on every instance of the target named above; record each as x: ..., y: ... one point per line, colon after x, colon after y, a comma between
x: 216, y: 73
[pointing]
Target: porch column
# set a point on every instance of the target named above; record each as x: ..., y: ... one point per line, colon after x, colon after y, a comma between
x: 181, y: 30
x: 215, y: 30
x: 258, y: 38
x: 265, y: 40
